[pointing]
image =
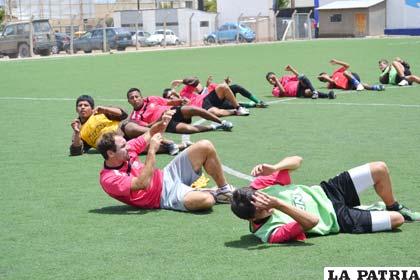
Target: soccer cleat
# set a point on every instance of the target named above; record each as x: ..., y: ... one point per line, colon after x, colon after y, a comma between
x: 261, y: 104
x: 408, y: 214
x: 331, y: 95
x: 224, y: 194
x: 360, y: 87
x: 403, y: 83
x: 226, y: 125
x: 315, y: 95
x: 241, y: 111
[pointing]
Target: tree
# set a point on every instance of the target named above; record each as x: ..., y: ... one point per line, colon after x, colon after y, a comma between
x: 1, y: 15
x: 210, y: 6
x: 282, y: 4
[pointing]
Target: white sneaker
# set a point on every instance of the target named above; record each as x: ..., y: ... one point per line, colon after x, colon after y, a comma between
x: 224, y: 194
x: 226, y: 125
x: 403, y: 83
x: 241, y: 111
x: 173, y: 149
x: 360, y: 87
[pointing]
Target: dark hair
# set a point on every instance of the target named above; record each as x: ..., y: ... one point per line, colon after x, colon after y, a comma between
x: 87, y: 98
x: 132, y: 90
x: 191, y: 81
x: 241, y: 204
x: 383, y: 61
x: 268, y: 75
x: 166, y: 93
x: 106, y: 143
x: 322, y: 79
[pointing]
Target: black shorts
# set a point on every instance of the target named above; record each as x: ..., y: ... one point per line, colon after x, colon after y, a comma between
x: 407, y: 72
x: 350, y: 85
x: 301, y: 90
x: 212, y: 100
x: 342, y: 193
x: 176, y: 119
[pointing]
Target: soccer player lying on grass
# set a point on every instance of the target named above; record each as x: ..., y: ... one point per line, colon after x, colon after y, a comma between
x: 128, y: 180
x: 92, y: 122
x: 344, y: 79
x: 217, y: 99
x: 295, y: 85
x: 398, y: 73
x: 149, y: 110
x: 288, y: 211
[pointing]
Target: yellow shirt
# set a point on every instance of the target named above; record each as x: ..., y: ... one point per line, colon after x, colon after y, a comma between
x: 95, y: 126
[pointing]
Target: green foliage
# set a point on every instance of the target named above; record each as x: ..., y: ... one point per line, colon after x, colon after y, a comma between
x: 282, y: 3
x: 2, y: 13
x: 210, y: 6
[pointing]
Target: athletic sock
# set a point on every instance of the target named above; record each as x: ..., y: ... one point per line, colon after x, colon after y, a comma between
x: 394, y: 207
x: 253, y: 98
x: 247, y: 104
x: 355, y: 82
x: 322, y: 94
x: 215, y: 126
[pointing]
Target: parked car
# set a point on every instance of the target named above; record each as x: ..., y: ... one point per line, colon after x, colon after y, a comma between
x: 229, y: 31
x: 14, y: 41
x: 141, y: 37
x: 157, y: 38
x: 116, y: 38
x: 62, y: 43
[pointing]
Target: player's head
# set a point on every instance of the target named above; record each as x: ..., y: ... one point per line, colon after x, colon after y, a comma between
x: 242, y: 207
x: 135, y: 98
x: 84, y: 106
x: 383, y: 64
x: 270, y: 76
x: 323, y: 77
x: 193, y: 82
x: 168, y: 93
x: 112, y: 146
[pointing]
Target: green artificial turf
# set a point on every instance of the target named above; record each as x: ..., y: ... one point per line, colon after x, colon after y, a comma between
x: 57, y: 223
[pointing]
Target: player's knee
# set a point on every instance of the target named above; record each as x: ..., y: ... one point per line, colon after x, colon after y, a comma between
x: 221, y: 87
x: 396, y: 219
x: 205, y: 145
x: 380, y: 168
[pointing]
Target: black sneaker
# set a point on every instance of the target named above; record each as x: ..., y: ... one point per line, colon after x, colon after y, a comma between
x: 331, y: 95
x: 261, y: 104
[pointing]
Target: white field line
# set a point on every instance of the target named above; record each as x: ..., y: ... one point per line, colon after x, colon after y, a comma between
x: 358, y: 104
x: 237, y: 174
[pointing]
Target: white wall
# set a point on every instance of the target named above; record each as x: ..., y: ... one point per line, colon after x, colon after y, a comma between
x: 149, y: 20
x: 303, y: 3
x: 401, y: 15
x: 197, y: 31
x: 230, y: 10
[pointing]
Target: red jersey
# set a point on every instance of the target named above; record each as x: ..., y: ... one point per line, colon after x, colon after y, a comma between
x: 195, y: 99
x: 290, y: 84
x: 116, y: 182
x: 151, y: 111
x: 340, y: 81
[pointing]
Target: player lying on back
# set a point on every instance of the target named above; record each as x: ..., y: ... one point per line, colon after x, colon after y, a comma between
x: 279, y: 211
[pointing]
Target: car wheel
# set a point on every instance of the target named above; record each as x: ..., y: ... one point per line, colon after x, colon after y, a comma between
x: 211, y: 40
x: 45, y: 52
x: 87, y: 51
x: 23, y: 50
x: 241, y: 39
x: 121, y: 49
x: 177, y: 42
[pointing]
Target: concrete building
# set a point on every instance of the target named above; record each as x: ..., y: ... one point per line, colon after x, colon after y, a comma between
x: 352, y: 18
x: 403, y: 17
x: 177, y: 20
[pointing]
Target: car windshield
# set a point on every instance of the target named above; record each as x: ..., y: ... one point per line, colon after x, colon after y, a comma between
x: 121, y: 30
x: 243, y: 26
x: 42, y: 26
x: 159, y: 32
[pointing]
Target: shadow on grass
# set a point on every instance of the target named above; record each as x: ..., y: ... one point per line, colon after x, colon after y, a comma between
x: 250, y: 242
x: 130, y: 210
x: 122, y: 210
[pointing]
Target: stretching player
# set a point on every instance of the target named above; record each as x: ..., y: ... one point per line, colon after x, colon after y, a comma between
x: 149, y: 110
x: 295, y: 85
x: 286, y: 212
x: 398, y: 73
x: 344, y: 79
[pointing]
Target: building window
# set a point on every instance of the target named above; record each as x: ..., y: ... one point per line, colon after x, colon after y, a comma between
x: 167, y: 24
x: 189, y: 4
x: 204, y: 24
x: 166, y: 5
x: 335, y: 18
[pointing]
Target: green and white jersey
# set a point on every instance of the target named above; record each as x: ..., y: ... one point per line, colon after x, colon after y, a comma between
x: 311, y: 199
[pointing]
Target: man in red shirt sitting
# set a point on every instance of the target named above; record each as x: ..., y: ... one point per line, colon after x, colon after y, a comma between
x: 130, y: 181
